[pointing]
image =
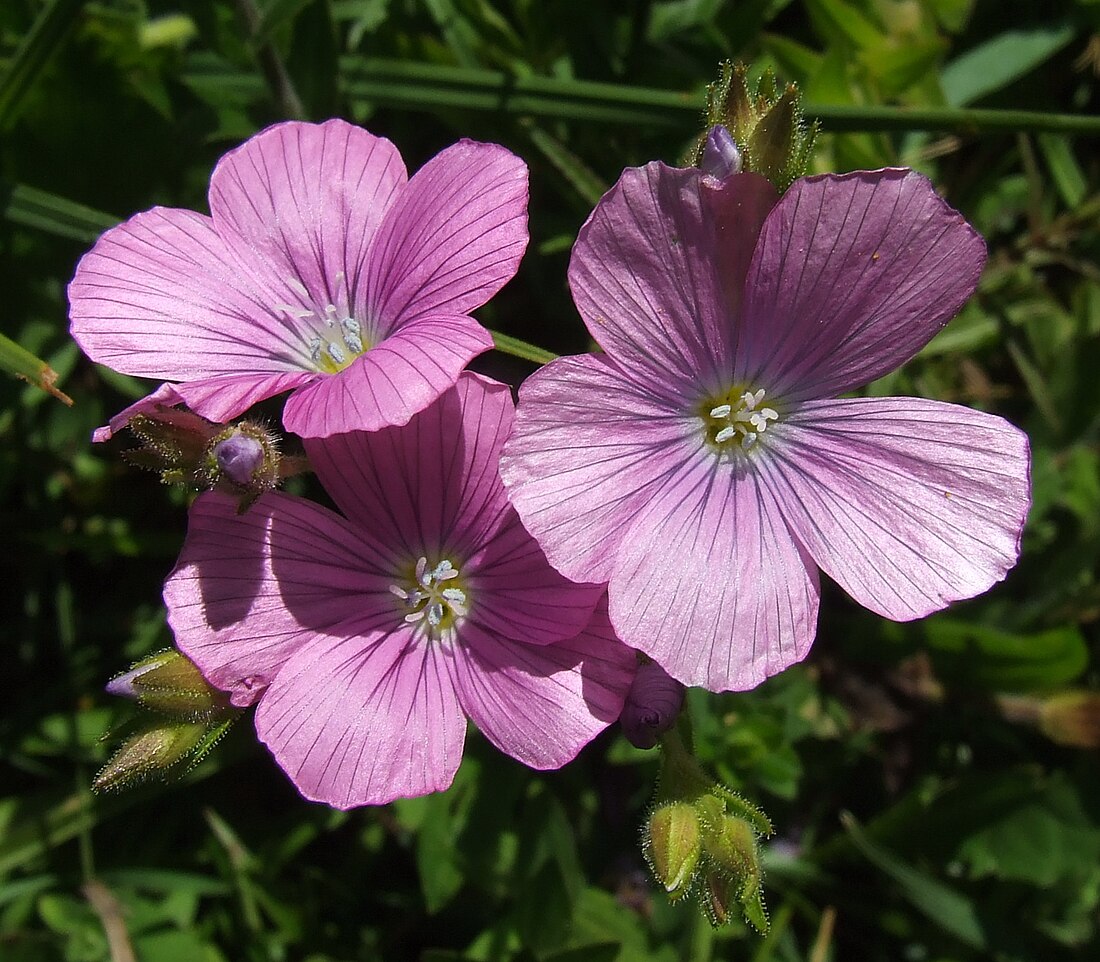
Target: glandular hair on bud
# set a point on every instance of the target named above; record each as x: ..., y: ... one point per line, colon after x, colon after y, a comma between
x: 672, y: 844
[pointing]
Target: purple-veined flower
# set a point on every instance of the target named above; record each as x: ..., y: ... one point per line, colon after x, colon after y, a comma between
x: 369, y: 638
x: 323, y: 268
x: 706, y: 466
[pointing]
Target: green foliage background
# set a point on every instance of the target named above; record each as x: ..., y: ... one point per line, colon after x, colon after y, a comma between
x: 915, y: 820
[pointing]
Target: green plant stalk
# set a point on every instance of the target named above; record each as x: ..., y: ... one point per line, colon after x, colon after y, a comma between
x: 507, y: 344
x: 427, y: 87
x: 20, y: 362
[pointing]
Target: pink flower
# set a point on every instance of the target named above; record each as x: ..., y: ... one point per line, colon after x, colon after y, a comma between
x: 369, y: 638
x: 322, y: 269
x: 706, y: 465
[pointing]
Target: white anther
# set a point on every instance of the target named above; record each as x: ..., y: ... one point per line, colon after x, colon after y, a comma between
x: 336, y: 353
x: 315, y: 348
x: 725, y: 434
x: 748, y: 441
x: 722, y: 411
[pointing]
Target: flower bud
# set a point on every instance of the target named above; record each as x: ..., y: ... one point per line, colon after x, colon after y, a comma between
x: 652, y: 705
x: 764, y: 124
x: 149, y: 752
x: 721, y: 158
x: 1072, y: 718
x: 239, y: 457
x: 244, y: 459
x: 671, y: 845
x: 730, y: 844
x: 169, y: 682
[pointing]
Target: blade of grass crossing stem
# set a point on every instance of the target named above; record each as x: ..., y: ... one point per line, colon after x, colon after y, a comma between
x: 40, y: 43
x: 952, y: 912
x: 589, y: 187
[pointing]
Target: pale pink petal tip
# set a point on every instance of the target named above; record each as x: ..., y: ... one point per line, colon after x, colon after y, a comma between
x: 164, y: 396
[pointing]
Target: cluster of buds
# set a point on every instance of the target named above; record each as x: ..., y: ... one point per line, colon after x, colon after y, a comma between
x: 754, y: 127
x: 708, y: 847
x: 703, y: 840
x: 188, y: 717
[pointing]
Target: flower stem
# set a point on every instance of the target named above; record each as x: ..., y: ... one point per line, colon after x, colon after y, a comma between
x: 507, y: 344
x: 428, y: 87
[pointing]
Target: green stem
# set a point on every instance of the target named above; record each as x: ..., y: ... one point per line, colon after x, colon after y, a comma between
x: 427, y: 87
x: 507, y: 344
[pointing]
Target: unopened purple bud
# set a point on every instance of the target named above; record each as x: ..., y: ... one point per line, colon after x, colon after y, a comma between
x: 720, y: 154
x: 652, y: 704
x: 239, y: 456
x: 123, y: 686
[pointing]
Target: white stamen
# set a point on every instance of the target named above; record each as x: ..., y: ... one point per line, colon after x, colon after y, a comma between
x: 427, y: 598
x: 745, y: 422
x: 315, y: 348
x: 336, y: 353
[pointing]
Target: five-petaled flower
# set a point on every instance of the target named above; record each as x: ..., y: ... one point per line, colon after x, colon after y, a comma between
x: 322, y: 269
x: 706, y: 465
x: 369, y: 638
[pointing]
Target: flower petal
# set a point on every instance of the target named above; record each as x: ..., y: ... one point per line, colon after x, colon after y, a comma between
x: 393, y: 381
x: 711, y: 584
x: 543, y: 704
x: 222, y: 398
x: 514, y: 593
x: 250, y: 589
x: 162, y: 295
x: 852, y: 276
x: 164, y: 396
x: 657, y: 272
x: 453, y: 237
x: 588, y: 449
x: 908, y: 504
x: 308, y: 198
x: 432, y: 485
x: 361, y: 721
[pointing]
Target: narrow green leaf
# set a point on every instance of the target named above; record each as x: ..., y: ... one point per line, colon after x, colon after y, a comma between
x: 952, y: 912
x: 1064, y: 169
x: 40, y: 43
x: 837, y: 19
x: 998, y: 62
x: 20, y: 362
x: 276, y: 15
x: 580, y: 176
x: 54, y: 215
